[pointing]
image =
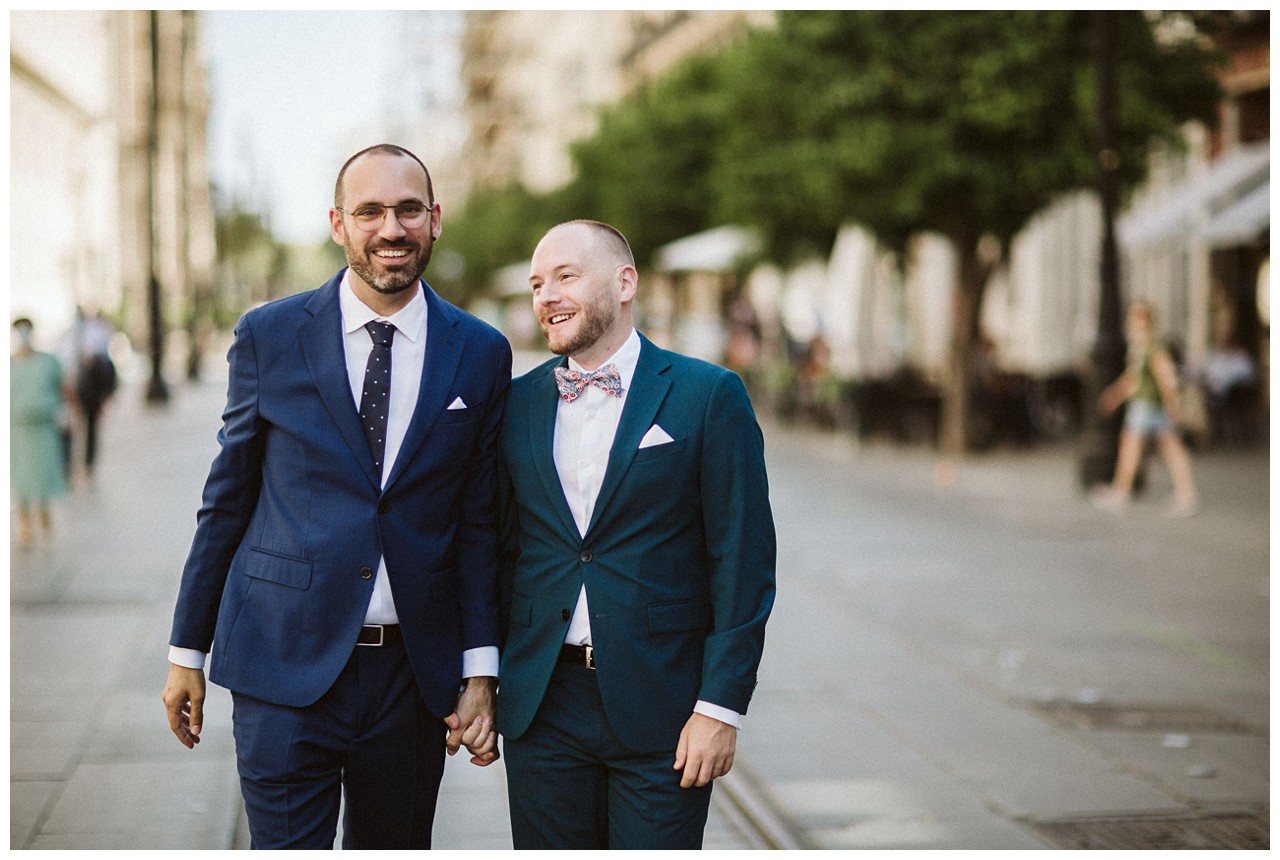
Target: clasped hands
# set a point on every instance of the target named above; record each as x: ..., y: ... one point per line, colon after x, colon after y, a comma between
x: 471, y: 723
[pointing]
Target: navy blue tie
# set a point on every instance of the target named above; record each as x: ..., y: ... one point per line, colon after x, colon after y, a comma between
x: 375, y: 399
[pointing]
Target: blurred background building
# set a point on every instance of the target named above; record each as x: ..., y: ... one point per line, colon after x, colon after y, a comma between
x: 109, y: 181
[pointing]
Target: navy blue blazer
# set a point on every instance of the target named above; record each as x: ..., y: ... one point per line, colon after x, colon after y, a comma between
x: 293, y: 519
x: 678, y: 559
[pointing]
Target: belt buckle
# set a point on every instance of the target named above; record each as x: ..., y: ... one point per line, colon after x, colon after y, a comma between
x: 382, y: 635
x: 589, y: 657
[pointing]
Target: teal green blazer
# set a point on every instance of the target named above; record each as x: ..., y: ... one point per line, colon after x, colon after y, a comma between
x: 678, y: 560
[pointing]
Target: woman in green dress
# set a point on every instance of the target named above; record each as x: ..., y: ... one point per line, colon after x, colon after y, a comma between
x: 36, y: 403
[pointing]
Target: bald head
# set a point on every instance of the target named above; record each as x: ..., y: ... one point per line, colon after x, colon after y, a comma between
x: 607, y: 241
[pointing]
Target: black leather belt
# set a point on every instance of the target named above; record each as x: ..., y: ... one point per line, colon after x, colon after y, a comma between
x: 581, y: 655
x: 377, y: 635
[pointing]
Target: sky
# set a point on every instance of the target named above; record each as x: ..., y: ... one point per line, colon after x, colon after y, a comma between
x: 292, y: 95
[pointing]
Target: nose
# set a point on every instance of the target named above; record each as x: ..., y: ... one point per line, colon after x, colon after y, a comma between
x: 548, y: 294
x: 390, y: 228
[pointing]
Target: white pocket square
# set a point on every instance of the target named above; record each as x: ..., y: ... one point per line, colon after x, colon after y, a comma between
x: 456, y: 404
x: 655, y: 436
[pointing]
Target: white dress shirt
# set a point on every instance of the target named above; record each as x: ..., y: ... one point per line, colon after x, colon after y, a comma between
x: 408, y: 353
x: 583, y: 436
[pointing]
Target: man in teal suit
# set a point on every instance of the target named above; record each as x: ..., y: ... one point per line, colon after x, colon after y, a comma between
x: 638, y: 566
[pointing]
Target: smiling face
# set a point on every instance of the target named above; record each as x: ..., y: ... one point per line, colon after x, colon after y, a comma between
x: 582, y: 294
x: 388, y: 261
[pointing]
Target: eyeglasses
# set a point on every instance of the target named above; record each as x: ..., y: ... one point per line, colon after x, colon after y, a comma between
x: 369, y: 217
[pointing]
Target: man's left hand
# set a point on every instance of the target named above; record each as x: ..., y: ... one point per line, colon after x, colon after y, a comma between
x: 705, y: 751
x: 471, y: 723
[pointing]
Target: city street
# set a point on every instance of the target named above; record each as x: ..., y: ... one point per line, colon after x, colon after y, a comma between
x: 961, y: 657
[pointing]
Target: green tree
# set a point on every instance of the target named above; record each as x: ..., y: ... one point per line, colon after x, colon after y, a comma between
x: 498, y: 226
x: 647, y: 169
x: 963, y: 124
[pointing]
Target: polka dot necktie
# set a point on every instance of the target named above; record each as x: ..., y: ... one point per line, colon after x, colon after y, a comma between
x: 375, y: 399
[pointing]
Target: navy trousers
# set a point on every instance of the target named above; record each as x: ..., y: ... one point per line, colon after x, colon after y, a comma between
x: 370, y: 734
x: 571, y: 784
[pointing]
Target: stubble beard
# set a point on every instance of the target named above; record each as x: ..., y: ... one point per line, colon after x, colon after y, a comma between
x: 596, y: 320
x: 389, y: 283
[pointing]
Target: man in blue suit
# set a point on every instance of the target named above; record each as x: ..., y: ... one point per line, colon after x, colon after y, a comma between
x: 638, y: 567
x: 343, y: 572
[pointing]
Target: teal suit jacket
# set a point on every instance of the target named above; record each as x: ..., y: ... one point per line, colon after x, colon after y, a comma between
x: 678, y: 560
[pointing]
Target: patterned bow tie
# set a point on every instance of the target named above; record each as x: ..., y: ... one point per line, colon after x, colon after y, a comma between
x: 572, y: 382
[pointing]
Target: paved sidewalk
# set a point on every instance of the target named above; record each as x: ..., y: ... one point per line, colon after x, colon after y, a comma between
x: 886, y: 717
x: 92, y: 762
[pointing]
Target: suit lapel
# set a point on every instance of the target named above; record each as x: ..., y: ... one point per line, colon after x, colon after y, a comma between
x: 543, y: 402
x: 443, y: 355
x: 649, y: 388
x: 326, y: 360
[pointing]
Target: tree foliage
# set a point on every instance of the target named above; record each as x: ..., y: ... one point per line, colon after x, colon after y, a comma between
x: 961, y: 123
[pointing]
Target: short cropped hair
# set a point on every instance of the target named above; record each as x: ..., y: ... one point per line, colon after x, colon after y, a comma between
x: 380, y: 149
x: 612, y: 237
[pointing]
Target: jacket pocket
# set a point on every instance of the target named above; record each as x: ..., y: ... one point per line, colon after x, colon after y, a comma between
x: 280, y: 569
x: 675, y: 617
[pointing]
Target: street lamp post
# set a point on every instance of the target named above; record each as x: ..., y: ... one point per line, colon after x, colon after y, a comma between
x: 1109, y: 347
x: 157, y: 390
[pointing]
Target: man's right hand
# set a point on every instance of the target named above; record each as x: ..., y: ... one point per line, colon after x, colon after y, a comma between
x: 184, y: 703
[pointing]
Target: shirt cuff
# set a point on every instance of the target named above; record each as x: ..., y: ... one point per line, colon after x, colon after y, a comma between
x: 480, y: 662
x: 716, y: 712
x: 186, y: 657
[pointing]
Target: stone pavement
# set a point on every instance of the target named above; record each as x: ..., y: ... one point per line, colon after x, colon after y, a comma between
x: 920, y: 738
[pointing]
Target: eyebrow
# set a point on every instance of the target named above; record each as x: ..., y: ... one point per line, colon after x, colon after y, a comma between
x: 391, y: 205
x: 557, y: 270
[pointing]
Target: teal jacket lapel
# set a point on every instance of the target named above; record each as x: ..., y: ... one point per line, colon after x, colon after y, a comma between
x: 543, y: 402
x: 649, y: 388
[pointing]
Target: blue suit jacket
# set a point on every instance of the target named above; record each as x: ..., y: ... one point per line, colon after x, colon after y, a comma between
x: 293, y: 520
x: 678, y: 560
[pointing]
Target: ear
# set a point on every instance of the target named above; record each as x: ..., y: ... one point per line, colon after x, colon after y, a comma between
x: 628, y: 283
x: 435, y: 221
x: 337, y: 230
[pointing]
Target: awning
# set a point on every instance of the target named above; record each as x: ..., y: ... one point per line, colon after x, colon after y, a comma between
x: 720, y: 249
x: 1177, y: 214
x: 1241, y: 222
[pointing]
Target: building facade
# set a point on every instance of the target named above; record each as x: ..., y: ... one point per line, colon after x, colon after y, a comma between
x: 108, y: 170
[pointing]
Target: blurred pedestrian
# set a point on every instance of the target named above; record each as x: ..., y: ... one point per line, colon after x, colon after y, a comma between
x: 344, y: 566
x: 93, y: 378
x: 638, y: 567
x: 1148, y: 391
x: 36, y: 404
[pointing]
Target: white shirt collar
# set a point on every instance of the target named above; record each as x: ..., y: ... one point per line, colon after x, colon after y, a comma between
x: 409, y: 320
x: 625, y: 359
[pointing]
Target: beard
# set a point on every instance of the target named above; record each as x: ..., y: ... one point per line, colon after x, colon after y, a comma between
x: 593, y: 321
x: 399, y: 279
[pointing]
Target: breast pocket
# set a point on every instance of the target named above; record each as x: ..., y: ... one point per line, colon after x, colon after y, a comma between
x: 662, y: 451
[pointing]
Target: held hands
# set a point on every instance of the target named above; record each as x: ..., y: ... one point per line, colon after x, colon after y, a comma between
x: 184, y: 702
x: 471, y: 723
x: 705, y: 751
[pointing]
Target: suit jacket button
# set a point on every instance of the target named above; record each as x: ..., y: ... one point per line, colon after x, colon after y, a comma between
x: 366, y: 572
x: 565, y: 615
x: 383, y: 507
x: 585, y: 557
